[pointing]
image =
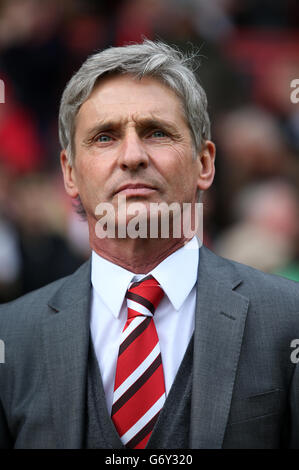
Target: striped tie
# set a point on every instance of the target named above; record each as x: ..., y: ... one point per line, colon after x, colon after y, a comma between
x: 139, y: 390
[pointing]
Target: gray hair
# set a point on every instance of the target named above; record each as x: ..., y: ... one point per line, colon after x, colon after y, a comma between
x: 154, y: 59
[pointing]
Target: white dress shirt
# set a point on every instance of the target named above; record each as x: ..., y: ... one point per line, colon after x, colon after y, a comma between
x: 174, y: 317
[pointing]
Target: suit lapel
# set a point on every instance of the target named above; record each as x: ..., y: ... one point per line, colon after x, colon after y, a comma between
x: 219, y: 325
x: 66, y: 341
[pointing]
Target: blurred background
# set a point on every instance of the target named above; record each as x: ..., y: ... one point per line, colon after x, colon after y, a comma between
x: 249, y: 56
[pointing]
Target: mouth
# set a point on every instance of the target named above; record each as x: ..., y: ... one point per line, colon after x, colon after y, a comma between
x: 136, y: 189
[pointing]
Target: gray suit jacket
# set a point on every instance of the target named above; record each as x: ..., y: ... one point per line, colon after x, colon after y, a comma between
x: 245, y: 386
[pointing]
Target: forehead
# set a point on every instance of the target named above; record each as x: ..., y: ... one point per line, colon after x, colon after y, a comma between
x: 122, y: 96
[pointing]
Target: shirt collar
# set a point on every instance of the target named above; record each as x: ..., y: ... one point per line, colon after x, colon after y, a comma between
x: 176, y: 274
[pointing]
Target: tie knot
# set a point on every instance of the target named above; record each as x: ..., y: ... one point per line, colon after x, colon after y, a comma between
x: 143, y: 297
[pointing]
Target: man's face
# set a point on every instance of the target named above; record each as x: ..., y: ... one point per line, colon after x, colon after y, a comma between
x: 132, y: 140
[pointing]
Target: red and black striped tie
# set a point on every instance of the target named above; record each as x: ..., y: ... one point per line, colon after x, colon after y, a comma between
x: 139, y: 389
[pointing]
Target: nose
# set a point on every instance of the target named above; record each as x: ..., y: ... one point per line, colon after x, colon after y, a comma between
x: 133, y: 155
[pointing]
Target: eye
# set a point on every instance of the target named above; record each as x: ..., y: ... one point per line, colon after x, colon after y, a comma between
x: 103, y: 138
x: 158, y: 134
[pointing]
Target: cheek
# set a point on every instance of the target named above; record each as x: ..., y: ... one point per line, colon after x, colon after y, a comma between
x: 179, y: 168
x: 90, y: 173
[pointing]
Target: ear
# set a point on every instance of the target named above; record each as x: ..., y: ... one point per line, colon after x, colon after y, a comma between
x: 206, y: 165
x: 69, y: 175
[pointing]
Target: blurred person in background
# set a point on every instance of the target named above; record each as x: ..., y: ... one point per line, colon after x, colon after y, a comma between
x: 265, y: 234
x: 41, y: 218
x: 153, y: 342
x: 252, y: 148
x: 36, y: 234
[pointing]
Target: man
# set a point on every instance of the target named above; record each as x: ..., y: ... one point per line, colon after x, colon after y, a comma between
x: 155, y: 342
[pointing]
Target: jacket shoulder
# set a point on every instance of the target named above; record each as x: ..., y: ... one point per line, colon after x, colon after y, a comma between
x: 266, y: 288
x: 31, y: 305
x: 269, y: 289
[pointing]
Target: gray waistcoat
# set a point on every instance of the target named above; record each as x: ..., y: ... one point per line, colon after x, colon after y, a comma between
x: 171, y: 431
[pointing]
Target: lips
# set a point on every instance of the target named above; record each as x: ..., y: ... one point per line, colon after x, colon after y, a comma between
x: 135, y: 189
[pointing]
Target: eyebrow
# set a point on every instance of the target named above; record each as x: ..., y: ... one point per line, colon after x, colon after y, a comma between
x: 141, y: 123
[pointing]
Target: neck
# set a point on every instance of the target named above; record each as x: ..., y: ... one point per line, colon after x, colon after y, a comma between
x: 138, y: 255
